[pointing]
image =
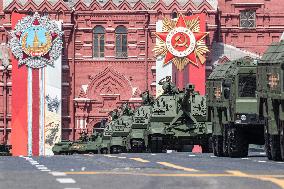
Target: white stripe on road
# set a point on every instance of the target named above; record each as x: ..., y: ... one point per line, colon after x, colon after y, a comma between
x: 261, y: 161
x: 121, y: 157
x: 66, y: 181
x: 191, y: 155
x: 40, y: 168
x: 58, y: 174
x: 245, y: 158
x: 47, y: 170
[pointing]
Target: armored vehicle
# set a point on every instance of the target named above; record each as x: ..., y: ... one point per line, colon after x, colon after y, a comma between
x: 270, y: 92
x: 86, y: 144
x: 141, y: 117
x: 5, y: 150
x: 120, y: 130
x: 62, y: 148
x: 177, y: 119
x: 190, y: 125
x: 106, y: 135
x: 232, y: 108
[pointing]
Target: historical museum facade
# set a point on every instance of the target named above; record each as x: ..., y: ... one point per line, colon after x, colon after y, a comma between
x: 107, y: 56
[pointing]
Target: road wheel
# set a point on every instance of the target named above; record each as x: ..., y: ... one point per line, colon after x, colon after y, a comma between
x: 104, y: 151
x: 274, y: 144
x: 225, y: 141
x: 237, y: 144
x: 156, y: 144
x: 218, y: 145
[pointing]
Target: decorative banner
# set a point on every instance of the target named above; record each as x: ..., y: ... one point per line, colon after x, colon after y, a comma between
x: 36, y: 42
x: 181, y: 42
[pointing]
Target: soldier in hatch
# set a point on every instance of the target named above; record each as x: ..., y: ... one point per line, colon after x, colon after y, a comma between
x: 147, y: 98
x: 168, y: 86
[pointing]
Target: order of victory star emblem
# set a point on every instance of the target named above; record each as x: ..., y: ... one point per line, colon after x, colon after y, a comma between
x: 36, y: 41
x: 181, y: 42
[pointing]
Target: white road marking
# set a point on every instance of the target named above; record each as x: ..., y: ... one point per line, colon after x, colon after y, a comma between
x: 39, y: 165
x: 262, y: 153
x: 40, y: 168
x: 191, y: 155
x: 245, y: 158
x: 213, y: 156
x: 58, y: 174
x: 83, y: 168
x: 279, y: 162
x: 153, y: 154
x: 121, y: 157
x: 47, y: 170
x: 261, y: 161
x: 66, y: 180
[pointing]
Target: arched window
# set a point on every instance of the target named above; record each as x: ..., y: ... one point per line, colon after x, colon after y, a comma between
x: 121, y: 42
x: 174, y: 15
x: 99, y: 42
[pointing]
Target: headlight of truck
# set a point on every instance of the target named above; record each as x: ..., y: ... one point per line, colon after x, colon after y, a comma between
x: 243, y: 117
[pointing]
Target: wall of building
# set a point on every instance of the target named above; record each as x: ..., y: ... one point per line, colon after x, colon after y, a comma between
x: 91, y: 86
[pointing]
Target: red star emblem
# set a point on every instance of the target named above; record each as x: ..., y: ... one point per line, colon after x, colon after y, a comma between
x: 181, y: 42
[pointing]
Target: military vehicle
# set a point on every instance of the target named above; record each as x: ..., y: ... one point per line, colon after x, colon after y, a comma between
x: 232, y: 108
x: 190, y: 125
x: 136, y: 138
x: 177, y: 119
x: 270, y: 92
x: 106, y: 135
x: 120, y: 130
x: 5, y: 150
x: 62, y: 148
x: 86, y: 144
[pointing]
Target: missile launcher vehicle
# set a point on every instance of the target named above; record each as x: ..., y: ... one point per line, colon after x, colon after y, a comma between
x: 270, y: 92
x: 232, y: 108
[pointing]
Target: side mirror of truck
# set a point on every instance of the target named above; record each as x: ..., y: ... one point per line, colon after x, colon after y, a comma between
x: 226, y: 93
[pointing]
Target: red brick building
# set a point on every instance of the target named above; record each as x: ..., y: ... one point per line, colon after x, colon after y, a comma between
x: 107, y: 55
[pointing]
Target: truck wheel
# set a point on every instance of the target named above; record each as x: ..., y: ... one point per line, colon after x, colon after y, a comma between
x: 267, y: 146
x: 274, y: 144
x: 225, y: 141
x: 218, y: 145
x: 282, y: 143
x: 238, y: 145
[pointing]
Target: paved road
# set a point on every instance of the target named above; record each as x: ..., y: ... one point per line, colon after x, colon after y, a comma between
x: 123, y: 171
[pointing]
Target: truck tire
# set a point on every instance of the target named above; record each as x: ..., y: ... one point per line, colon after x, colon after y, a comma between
x: 217, y: 141
x: 237, y: 144
x: 282, y: 142
x: 266, y: 140
x: 225, y: 141
x: 274, y: 144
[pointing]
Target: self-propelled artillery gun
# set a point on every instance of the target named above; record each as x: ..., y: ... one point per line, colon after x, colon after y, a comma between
x: 178, y: 119
x: 120, y: 130
x: 141, y: 117
x: 232, y: 108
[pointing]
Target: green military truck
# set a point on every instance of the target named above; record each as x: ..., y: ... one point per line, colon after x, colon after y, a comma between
x: 232, y: 108
x: 270, y: 92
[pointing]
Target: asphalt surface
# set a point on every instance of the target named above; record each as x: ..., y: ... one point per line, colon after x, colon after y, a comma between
x: 131, y: 171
